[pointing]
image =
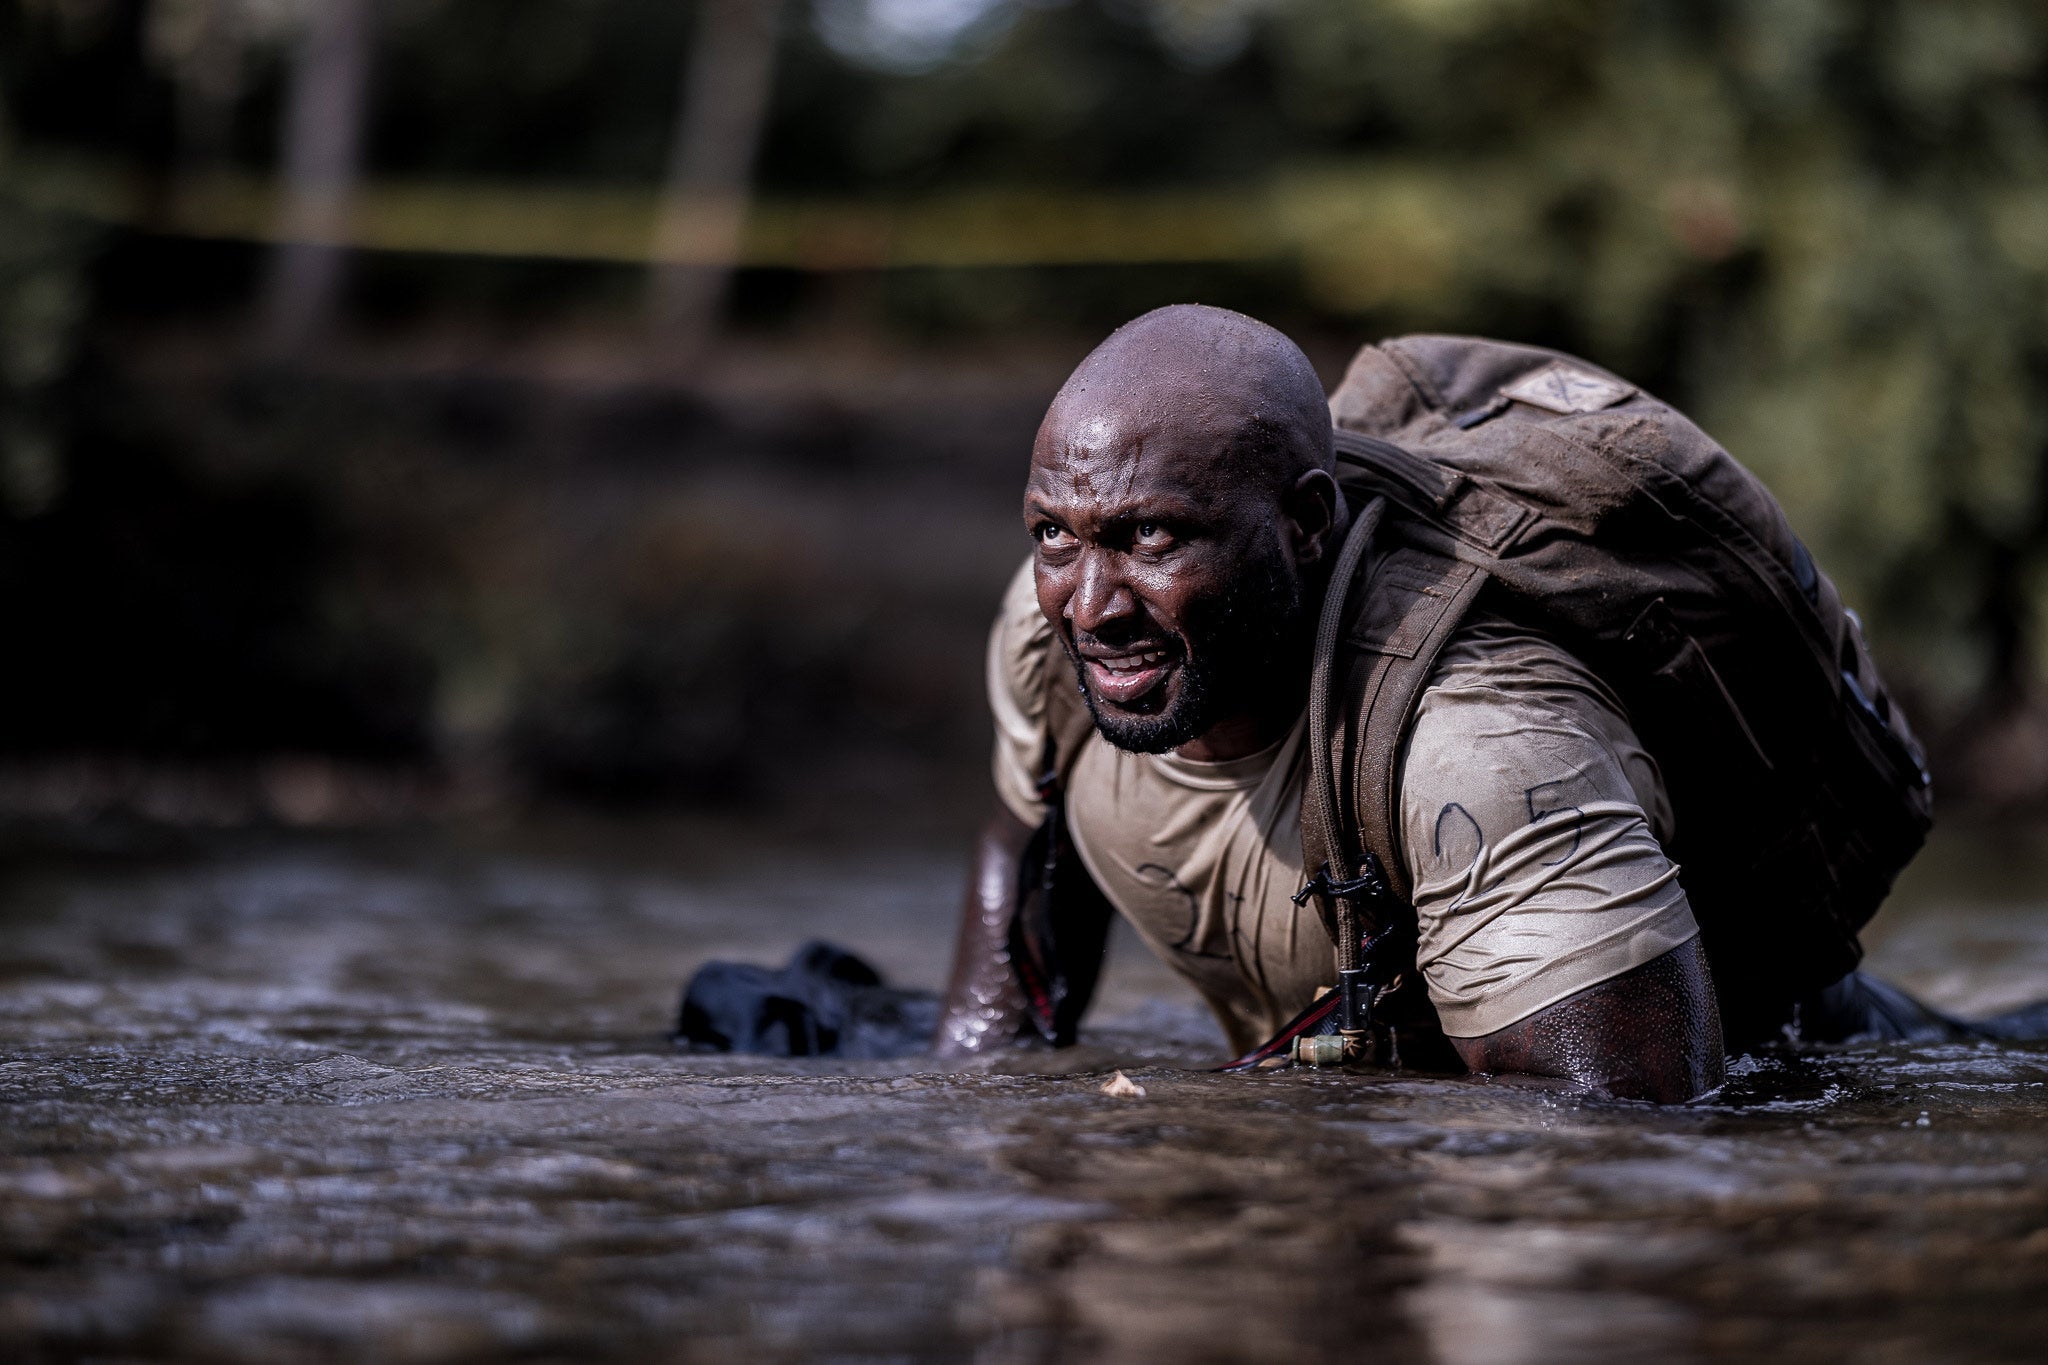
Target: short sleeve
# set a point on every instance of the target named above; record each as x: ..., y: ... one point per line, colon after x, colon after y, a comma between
x: 1017, y: 647
x: 1528, y: 822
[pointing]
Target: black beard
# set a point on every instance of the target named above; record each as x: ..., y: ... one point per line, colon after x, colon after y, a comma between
x: 1231, y: 649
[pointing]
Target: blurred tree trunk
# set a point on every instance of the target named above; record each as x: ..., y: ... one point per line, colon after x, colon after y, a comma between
x: 723, y: 107
x: 201, y: 43
x: 321, y: 156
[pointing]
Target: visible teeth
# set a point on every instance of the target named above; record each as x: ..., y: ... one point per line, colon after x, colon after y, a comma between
x: 1131, y: 663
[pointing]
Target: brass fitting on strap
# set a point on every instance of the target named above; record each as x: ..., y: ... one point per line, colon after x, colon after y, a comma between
x: 1323, y: 1049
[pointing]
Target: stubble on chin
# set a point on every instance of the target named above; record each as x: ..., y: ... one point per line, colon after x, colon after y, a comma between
x: 1183, y: 719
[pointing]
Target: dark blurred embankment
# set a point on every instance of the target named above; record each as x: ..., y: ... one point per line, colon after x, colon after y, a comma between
x: 492, y: 576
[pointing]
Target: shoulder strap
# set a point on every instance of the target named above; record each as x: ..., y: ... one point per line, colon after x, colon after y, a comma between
x: 1415, y: 601
x: 1327, y: 855
x: 1390, y: 610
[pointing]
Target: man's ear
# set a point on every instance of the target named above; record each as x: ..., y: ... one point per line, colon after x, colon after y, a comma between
x: 1312, y: 508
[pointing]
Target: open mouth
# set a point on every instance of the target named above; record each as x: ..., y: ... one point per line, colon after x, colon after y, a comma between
x: 1126, y: 677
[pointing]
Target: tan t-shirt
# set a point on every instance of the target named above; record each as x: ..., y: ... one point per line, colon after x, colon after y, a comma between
x: 1532, y: 829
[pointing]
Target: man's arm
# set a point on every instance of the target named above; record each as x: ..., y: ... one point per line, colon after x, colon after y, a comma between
x: 984, y: 1005
x: 1652, y: 1033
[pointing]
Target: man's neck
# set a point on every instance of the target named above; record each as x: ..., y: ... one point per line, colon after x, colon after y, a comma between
x: 1238, y: 737
x: 1245, y: 734
x: 1266, y: 724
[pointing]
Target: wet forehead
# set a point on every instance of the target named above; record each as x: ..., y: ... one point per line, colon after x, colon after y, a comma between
x: 1107, y: 462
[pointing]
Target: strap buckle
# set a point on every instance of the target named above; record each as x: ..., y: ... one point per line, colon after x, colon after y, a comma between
x: 1369, y: 885
x: 1357, y: 988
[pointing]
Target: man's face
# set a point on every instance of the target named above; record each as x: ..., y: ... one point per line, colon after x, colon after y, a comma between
x: 1167, y: 582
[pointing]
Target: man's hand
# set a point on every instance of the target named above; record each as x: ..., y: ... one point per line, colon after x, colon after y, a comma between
x: 1653, y: 1033
x: 984, y: 1005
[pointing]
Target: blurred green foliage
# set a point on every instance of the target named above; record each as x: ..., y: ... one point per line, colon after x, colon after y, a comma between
x: 1821, y: 226
x: 43, y: 264
x: 42, y: 296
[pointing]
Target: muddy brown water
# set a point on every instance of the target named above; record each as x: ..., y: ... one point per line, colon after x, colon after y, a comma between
x: 324, y: 1101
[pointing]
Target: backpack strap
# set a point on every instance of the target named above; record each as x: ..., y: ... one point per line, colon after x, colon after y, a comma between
x: 1390, y: 609
x: 1414, y: 601
x: 1331, y: 859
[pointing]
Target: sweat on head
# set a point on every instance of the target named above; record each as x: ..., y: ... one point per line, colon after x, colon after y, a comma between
x: 1182, y: 498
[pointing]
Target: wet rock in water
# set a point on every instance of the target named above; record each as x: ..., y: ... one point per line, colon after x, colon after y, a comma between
x: 825, y: 1002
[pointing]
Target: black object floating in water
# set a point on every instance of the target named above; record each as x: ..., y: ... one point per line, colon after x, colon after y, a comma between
x: 825, y: 1003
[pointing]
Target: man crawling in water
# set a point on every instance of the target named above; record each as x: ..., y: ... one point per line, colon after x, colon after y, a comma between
x: 1529, y: 916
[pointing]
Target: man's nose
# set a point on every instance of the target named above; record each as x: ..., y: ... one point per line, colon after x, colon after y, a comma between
x: 1101, y: 597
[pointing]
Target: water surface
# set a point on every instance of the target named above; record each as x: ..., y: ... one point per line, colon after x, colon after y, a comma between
x: 320, y: 1100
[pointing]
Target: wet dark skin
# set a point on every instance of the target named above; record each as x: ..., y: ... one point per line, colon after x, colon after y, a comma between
x: 1189, y: 449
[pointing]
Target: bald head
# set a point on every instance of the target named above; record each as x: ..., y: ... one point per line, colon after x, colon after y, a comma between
x: 1183, y: 502
x: 1220, y: 386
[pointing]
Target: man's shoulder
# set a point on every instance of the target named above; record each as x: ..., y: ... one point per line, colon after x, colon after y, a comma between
x: 1017, y: 646
x: 1511, y: 722
x: 1019, y: 643
x: 1499, y: 659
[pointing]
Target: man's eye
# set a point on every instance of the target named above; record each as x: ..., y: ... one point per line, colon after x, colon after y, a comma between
x: 1152, y: 533
x: 1051, y: 536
